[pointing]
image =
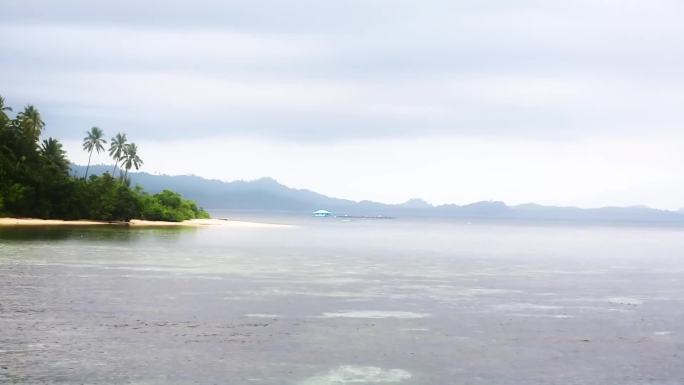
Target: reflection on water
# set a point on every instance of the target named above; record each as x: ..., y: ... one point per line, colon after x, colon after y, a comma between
x: 88, y: 233
x: 375, y: 314
x: 342, y: 302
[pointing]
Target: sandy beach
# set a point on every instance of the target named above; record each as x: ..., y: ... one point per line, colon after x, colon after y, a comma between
x: 136, y: 223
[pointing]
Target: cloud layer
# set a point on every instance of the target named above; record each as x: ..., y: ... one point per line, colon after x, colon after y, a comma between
x: 554, y: 101
x: 314, y: 70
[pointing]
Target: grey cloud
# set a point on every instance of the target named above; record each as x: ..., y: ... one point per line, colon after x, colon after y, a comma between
x: 312, y: 70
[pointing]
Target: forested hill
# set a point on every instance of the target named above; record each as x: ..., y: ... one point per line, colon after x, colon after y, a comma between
x: 266, y: 194
x: 261, y: 194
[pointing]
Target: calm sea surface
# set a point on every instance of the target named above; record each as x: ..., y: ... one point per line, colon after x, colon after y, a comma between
x: 344, y: 302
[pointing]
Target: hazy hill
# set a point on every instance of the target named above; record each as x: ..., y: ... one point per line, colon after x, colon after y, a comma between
x: 266, y: 194
x: 260, y: 194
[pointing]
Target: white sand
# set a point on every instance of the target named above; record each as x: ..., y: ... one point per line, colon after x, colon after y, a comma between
x: 134, y: 223
x: 47, y: 222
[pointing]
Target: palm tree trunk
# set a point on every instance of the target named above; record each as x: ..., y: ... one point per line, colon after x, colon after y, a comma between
x: 114, y: 171
x: 88, y: 168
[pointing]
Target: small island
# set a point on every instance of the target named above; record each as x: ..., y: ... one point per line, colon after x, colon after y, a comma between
x: 35, y: 180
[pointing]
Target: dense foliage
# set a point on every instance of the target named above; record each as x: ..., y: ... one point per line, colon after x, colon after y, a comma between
x: 35, y: 180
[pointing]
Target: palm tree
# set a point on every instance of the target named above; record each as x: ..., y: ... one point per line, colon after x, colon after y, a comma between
x: 93, y: 141
x: 3, y: 109
x: 51, y: 149
x: 131, y: 158
x: 31, y: 122
x: 116, y: 149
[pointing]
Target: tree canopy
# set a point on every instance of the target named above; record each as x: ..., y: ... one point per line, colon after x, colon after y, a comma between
x: 35, y: 180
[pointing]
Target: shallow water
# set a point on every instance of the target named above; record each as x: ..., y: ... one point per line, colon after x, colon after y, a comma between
x: 332, y: 302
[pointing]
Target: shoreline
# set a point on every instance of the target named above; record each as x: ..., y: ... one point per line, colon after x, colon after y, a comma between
x: 134, y: 223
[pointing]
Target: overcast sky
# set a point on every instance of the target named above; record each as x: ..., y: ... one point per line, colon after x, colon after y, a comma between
x: 557, y: 102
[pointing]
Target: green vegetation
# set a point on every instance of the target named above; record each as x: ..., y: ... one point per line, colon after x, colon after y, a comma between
x: 35, y: 180
x: 93, y: 141
x: 117, y: 149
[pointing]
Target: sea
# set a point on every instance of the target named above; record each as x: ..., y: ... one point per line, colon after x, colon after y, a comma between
x: 337, y: 301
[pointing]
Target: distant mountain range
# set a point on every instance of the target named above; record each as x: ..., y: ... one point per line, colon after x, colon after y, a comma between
x: 266, y: 194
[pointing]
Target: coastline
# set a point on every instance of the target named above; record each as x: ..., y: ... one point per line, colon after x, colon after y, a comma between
x: 137, y: 223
